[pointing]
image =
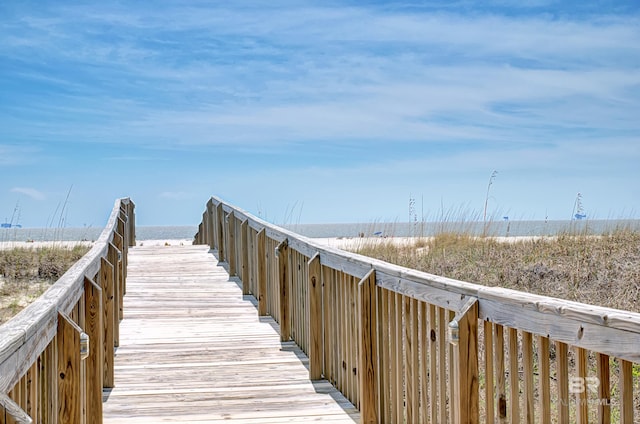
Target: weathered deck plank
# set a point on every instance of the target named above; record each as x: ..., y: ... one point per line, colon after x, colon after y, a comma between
x: 193, y: 349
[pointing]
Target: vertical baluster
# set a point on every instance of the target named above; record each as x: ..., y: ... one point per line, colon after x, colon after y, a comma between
x: 545, y: 377
x: 488, y: 372
x: 563, y: 382
x: 582, y: 405
x: 442, y: 365
x: 604, y: 389
x: 500, y: 374
x: 527, y: 367
x: 424, y: 363
x: 626, y: 392
x: 514, y: 377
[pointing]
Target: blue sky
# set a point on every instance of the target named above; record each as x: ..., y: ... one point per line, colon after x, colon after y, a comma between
x: 313, y: 112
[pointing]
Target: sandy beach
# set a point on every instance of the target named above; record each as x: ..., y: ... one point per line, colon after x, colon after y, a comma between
x: 347, y: 243
x: 352, y: 243
x: 5, y: 245
x: 165, y: 242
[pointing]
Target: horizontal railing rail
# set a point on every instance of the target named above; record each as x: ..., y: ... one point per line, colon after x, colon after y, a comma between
x: 408, y: 346
x: 56, y: 355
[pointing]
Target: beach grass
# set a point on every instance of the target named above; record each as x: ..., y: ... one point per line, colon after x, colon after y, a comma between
x: 600, y: 270
x: 25, y: 273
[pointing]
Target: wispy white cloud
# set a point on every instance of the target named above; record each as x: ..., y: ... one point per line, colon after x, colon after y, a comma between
x: 12, y: 155
x: 31, y: 192
x: 230, y: 75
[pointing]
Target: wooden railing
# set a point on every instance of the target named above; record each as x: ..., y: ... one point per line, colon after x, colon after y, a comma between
x: 56, y: 355
x: 407, y: 347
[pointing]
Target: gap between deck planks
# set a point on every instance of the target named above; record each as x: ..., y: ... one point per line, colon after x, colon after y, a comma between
x: 193, y: 349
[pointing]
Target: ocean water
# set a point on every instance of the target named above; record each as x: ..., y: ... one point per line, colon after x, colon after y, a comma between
x: 92, y: 234
x: 395, y: 229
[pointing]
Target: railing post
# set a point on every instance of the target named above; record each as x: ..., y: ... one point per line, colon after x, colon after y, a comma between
x: 262, y: 273
x: 231, y: 251
x: 208, y: 227
x: 124, y: 249
x: 50, y: 380
x: 69, y: 396
x: 131, y: 221
x: 95, y: 361
x: 202, y: 234
x: 244, y: 245
x: 106, y: 283
x: 214, y: 226
x: 316, y: 348
x: 626, y: 391
x: 368, y: 349
x: 220, y: 225
x: 463, y: 335
x: 282, y: 253
x: 113, y: 256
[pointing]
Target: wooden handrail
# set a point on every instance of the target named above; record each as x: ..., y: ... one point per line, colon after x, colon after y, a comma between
x: 420, y: 373
x: 27, y: 350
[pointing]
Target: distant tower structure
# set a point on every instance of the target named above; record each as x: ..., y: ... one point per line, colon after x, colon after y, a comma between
x: 578, y: 208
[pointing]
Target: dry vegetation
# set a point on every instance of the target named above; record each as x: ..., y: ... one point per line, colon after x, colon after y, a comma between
x: 26, y: 273
x: 600, y: 270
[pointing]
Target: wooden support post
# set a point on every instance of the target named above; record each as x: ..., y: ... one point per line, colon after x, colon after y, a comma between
x: 206, y: 228
x: 488, y: 366
x: 220, y: 225
x: 465, y: 362
x: 315, y: 320
x: 214, y: 226
x: 113, y: 256
x: 604, y: 389
x: 626, y: 392
x: 368, y: 353
x: 283, y: 279
x: 124, y: 256
x: 582, y: 405
x: 562, y: 364
x: 501, y: 393
x: 118, y: 242
x: 132, y: 223
x: 544, y: 366
x: 244, y: 245
x: 50, y: 379
x: 95, y: 362
x: 106, y: 283
x: 231, y: 251
x: 202, y: 234
x: 514, y: 377
x: 69, y: 396
x: 262, y: 273
x: 527, y: 367
x: 411, y: 359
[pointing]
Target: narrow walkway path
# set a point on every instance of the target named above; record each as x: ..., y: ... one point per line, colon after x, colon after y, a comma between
x: 192, y: 349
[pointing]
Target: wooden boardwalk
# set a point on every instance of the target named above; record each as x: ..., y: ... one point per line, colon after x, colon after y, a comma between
x: 192, y: 349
